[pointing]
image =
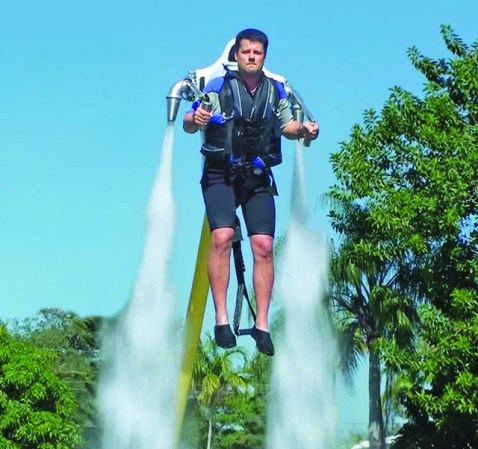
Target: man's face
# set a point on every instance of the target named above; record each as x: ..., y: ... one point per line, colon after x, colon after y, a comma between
x: 250, y: 57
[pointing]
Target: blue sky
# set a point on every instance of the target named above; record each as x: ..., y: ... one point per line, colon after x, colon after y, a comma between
x: 83, y: 113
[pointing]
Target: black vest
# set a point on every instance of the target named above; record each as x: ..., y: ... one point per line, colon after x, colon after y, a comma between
x: 251, y: 128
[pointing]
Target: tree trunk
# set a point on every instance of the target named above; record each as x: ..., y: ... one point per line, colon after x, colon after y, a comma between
x: 209, y: 435
x: 376, y: 435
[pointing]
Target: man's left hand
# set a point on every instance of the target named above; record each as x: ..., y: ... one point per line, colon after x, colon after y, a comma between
x: 310, y: 130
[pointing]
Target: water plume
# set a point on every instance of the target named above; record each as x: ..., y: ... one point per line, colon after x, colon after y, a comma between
x: 138, y: 382
x: 301, y: 413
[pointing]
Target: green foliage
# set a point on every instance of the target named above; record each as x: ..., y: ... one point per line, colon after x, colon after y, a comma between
x: 370, y: 305
x: 442, y: 387
x: 217, y: 376
x: 228, y: 399
x: 75, y: 342
x: 243, y: 420
x: 406, y: 198
x: 241, y: 423
x: 36, y: 407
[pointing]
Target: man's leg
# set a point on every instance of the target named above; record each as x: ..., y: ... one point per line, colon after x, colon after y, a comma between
x: 259, y: 215
x: 219, y: 270
x: 219, y: 200
x: 263, y: 277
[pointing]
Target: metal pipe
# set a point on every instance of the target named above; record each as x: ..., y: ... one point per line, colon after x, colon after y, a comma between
x: 174, y: 98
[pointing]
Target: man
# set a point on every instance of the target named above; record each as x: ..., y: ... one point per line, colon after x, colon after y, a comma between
x: 242, y: 142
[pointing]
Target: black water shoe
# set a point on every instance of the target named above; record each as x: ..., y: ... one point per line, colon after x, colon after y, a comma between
x: 224, y: 336
x: 263, y: 341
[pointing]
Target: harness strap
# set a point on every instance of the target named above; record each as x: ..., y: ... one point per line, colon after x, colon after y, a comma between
x: 241, y: 286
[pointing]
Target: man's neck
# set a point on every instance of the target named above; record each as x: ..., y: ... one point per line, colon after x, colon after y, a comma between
x: 251, y: 81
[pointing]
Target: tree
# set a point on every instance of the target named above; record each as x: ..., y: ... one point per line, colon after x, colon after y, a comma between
x: 369, y: 306
x: 36, y: 407
x: 243, y: 418
x: 216, y: 376
x: 412, y: 172
x: 75, y: 341
x: 442, y: 392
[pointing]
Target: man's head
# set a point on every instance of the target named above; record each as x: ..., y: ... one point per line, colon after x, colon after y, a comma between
x: 250, y: 51
x: 253, y: 35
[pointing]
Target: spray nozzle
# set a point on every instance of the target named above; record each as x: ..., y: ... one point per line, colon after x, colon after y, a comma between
x: 185, y: 89
x: 174, y: 98
x: 299, y: 108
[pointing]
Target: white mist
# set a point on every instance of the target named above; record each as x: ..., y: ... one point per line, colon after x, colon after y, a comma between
x: 138, y: 384
x: 302, y: 412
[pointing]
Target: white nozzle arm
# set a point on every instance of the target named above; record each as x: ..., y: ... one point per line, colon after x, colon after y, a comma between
x: 296, y: 99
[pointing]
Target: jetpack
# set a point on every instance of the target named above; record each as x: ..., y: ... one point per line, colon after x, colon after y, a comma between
x: 190, y: 88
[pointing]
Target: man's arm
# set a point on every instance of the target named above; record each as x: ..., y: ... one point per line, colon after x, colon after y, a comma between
x: 198, y: 117
x: 295, y: 130
x: 290, y: 127
x: 189, y: 123
x: 292, y: 130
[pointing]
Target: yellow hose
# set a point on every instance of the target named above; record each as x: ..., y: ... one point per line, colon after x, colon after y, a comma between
x: 193, y: 325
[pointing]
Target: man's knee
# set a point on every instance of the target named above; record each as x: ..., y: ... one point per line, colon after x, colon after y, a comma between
x: 222, y: 239
x: 262, y: 246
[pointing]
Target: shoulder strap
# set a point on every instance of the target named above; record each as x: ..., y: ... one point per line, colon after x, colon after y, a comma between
x: 225, y: 98
x: 276, y: 94
x: 272, y: 102
x: 226, y: 102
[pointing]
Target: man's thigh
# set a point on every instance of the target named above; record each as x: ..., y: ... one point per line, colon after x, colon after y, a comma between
x: 259, y: 213
x: 219, y: 200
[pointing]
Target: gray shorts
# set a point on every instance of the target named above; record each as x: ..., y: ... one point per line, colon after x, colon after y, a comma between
x: 224, y: 193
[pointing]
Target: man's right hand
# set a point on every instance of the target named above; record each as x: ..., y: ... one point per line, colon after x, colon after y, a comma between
x: 198, y: 119
x: 201, y: 117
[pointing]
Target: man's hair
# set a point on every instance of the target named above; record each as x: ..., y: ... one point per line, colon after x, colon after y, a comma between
x: 252, y: 35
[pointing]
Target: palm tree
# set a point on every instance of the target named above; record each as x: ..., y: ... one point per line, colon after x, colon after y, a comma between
x: 370, y: 305
x: 216, y: 375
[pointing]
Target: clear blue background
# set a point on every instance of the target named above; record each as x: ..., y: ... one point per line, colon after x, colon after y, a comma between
x: 83, y: 113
